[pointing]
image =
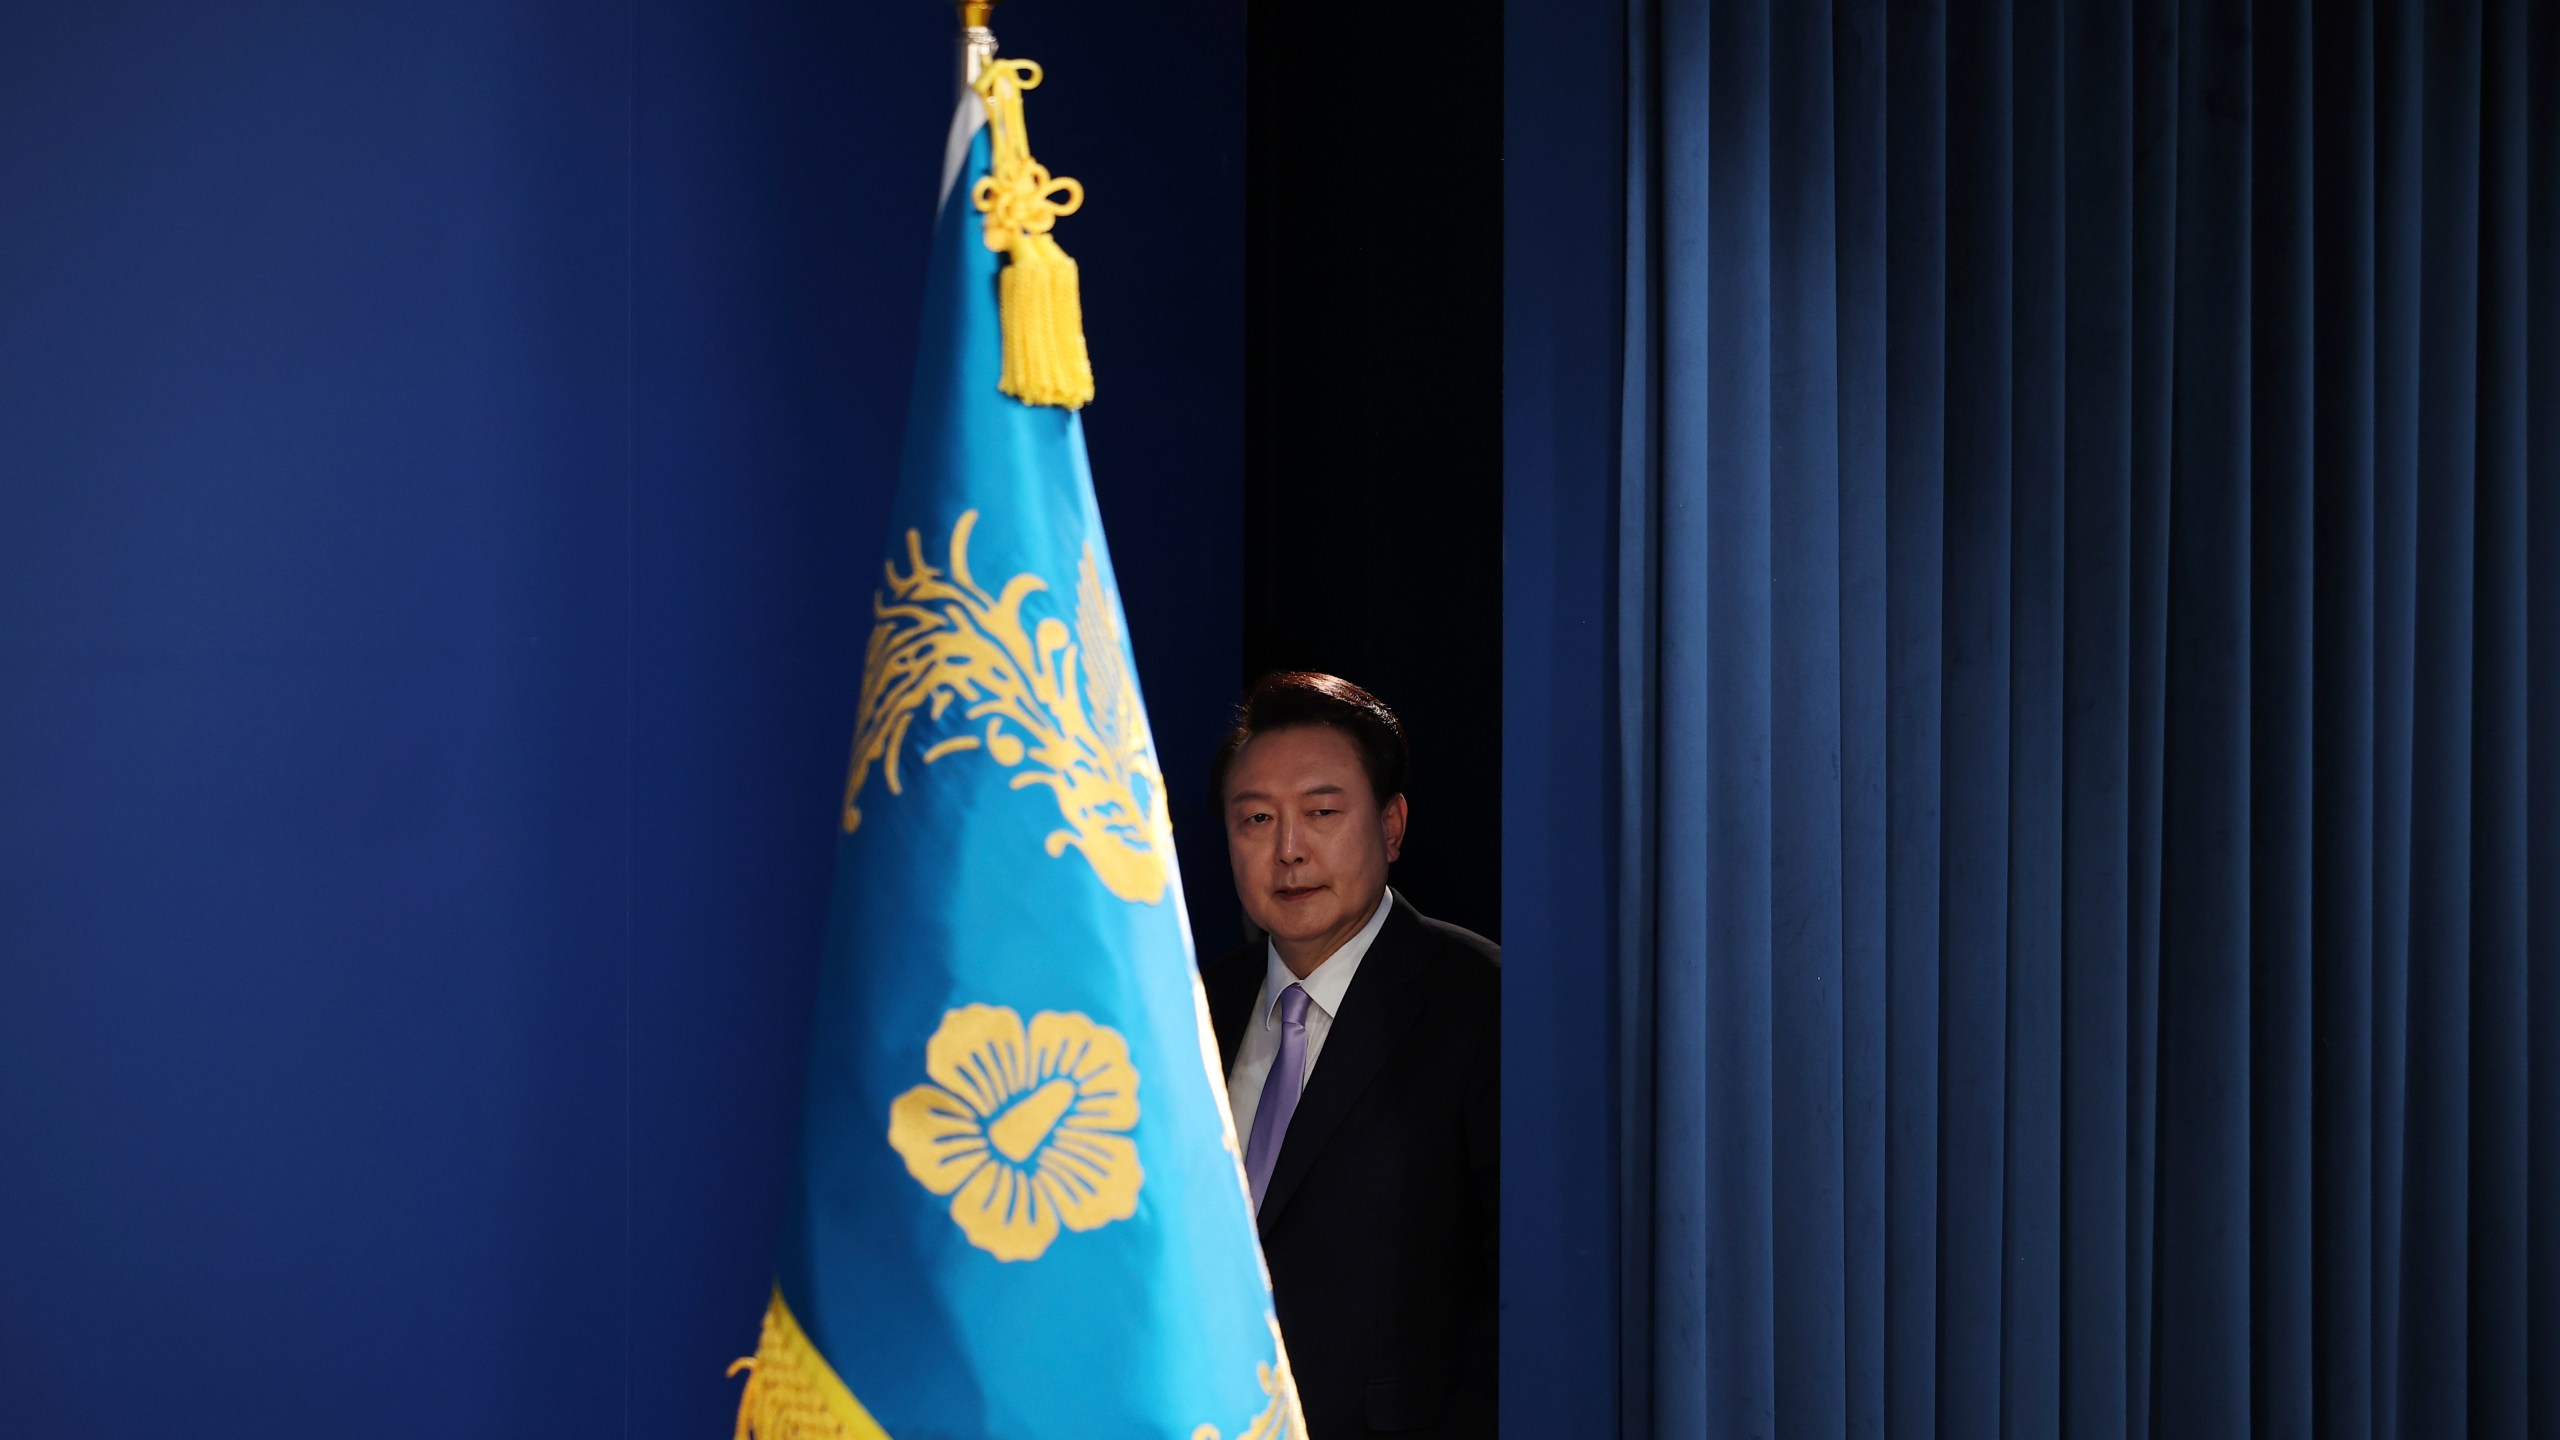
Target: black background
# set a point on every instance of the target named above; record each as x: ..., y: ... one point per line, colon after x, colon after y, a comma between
x: 1373, y: 410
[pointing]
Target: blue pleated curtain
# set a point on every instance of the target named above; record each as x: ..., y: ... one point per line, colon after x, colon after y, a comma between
x: 2088, y: 699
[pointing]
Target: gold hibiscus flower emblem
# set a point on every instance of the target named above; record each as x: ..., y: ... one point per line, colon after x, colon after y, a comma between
x: 1024, y: 1131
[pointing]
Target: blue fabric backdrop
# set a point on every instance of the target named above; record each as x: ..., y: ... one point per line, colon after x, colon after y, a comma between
x: 2081, y: 590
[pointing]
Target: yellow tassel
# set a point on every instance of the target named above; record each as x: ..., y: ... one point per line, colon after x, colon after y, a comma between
x: 792, y: 1393
x: 1036, y: 298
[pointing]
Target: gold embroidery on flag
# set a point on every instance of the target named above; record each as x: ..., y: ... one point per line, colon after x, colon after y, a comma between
x: 1054, y: 703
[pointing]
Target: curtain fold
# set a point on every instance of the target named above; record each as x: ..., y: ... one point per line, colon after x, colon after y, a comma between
x: 2087, y: 616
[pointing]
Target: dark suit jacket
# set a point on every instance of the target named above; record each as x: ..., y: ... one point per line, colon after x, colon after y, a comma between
x: 1379, y: 1221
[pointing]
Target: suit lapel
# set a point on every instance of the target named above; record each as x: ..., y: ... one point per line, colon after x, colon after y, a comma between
x: 1384, y: 1000
x: 1232, y: 982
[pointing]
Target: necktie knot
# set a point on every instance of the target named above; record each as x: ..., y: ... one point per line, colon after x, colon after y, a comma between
x: 1293, y: 1005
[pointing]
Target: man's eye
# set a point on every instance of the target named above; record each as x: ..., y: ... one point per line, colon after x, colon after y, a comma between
x: 1324, y: 812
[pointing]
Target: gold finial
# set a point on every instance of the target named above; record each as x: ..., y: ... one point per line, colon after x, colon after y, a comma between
x: 974, y: 14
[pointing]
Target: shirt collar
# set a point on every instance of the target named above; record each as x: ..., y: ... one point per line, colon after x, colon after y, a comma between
x: 1330, y: 981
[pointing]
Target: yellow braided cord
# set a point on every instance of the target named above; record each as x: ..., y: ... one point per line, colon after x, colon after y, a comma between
x: 792, y: 1393
x: 1036, y: 299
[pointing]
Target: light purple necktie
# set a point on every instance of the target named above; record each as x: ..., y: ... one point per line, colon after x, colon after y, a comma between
x: 1279, y: 1092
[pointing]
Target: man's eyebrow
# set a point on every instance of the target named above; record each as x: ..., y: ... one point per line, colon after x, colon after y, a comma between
x: 1241, y: 796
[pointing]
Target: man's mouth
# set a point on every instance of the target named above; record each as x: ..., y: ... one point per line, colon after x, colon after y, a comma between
x: 1296, y: 892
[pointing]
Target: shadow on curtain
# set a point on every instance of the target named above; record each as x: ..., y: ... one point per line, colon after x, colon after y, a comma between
x: 2088, y: 561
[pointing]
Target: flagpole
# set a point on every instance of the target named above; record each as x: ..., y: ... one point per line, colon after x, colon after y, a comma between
x: 977, y: 40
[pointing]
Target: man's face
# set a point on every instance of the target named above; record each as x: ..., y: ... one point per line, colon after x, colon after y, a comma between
x: 1308, y: 840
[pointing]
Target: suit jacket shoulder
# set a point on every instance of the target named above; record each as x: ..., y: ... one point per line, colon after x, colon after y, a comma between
x: 1462, y: 973
x: 1468, y: 961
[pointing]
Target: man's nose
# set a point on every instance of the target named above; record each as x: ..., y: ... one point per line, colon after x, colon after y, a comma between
x: 1292, y: 843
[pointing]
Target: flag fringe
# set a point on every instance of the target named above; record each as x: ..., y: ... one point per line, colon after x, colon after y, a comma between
x: 1038, y: 299
x: 792, y: 1393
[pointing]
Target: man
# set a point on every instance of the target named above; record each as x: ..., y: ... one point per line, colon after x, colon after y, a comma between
x: 1364, y: 1069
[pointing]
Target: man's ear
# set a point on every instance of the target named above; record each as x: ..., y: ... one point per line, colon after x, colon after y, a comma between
x: 1391, y: 818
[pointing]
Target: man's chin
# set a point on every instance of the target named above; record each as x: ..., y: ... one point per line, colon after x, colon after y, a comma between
x: 1300, y: 924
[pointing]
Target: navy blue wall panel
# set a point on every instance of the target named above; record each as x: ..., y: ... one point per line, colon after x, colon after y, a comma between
x: 441, y: 460
x: 1563, y: 1106
x: 783, y: 160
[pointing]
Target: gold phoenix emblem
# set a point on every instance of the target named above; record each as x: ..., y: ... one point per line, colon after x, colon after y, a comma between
x: 1024, y: 1131
x: 1054, y: 705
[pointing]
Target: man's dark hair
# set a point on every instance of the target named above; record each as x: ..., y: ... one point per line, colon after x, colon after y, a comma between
x: 1292, y: 698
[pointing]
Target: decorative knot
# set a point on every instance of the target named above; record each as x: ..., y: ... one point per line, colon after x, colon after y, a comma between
x: 1026, y: 201
x: 1018, y: 195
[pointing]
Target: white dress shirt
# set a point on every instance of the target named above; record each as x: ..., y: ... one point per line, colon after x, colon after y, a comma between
x: 1325, y: 987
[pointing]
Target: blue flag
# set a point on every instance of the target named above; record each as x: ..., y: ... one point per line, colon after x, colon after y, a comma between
x: 1019, y: 1211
